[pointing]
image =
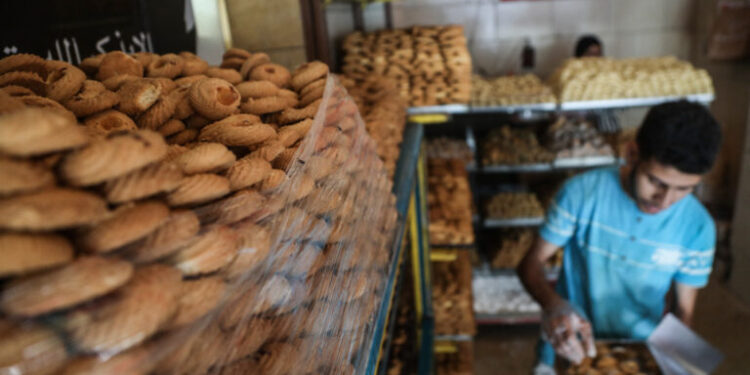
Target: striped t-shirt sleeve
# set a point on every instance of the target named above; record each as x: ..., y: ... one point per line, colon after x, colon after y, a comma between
x: 562, y: 213
x: 697, y: 259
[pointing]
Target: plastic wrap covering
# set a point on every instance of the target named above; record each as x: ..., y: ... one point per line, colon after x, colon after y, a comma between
x: 384, y: 113
x: 115, y: 262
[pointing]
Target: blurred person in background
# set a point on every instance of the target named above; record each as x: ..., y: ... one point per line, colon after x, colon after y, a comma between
x: 589, y: 45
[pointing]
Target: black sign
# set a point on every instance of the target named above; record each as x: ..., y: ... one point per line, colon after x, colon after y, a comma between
x: 71, y: 30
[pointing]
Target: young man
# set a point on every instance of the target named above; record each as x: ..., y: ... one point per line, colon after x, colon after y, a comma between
x: 629, y: 235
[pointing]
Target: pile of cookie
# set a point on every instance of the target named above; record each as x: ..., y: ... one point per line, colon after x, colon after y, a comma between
x: 513, y: 146
x: 459, y: 362
x: 576, y: 138
x: 509, y: 90
x: 166, y: 216
x: 598, y: 78
x: 431, y: 65
x: 513, y: 205
x: 613, y: 358
x: 452, y: 300
x: 449, y: 200
x: 514, y: 243
x: 384, y: 113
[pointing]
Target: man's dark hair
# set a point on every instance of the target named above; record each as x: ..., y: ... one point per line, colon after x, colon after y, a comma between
x: 680, y: 134
x: 585, y: 42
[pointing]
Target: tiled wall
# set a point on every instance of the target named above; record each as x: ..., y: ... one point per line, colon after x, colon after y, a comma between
x: 496, y: 30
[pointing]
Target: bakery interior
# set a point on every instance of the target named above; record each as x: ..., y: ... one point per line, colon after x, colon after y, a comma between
x: 339, y: 187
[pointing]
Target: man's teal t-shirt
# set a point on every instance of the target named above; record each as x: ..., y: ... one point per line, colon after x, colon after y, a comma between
x: 618, y: 262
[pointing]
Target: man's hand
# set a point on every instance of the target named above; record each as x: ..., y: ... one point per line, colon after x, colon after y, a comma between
x: 568, y: 332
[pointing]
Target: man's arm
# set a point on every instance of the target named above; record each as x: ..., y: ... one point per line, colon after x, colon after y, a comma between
x: 531, y: 273
x: 686, y: 296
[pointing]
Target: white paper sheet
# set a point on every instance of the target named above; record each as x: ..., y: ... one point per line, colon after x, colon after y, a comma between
x: 680, y: 351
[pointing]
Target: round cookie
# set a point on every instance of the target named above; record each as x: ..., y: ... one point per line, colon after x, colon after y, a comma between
x: 252, y: 62
x: 109, y: 121
x: 197, y: 298
x: 36, y: 131
x: 116, y: 82
x: 171, y: 127
x: 30, y: 348
x: 92, y: 98
x: 239, y: 206
x: 237, y: 132
x: 160, y: 177
x: 275, y: 73
x: 138, y: 95
x: 51, y: 209
x: 118, y: 63
x: 126, y: 225
x: 23, y: 176
x: 265, y: 105
x: 307, y: 73
x: 113, y: 157
x: 235, y: 52
x: 162, y: 110
x: 166, y: 66
x: 207, y: 253
x: 24, y: 62
x: 199, y: 188
x: 145, y: 58
x: 80, y: 281
x: 193, y: 64
x: 257, y: 89
x: 230, y: 75
x: 214, y: 98
x: 121, y: 322
x: 29, y: 80
x: 63, y: 80
x: 181, y: 226
x: 205, y: 157
x: 26, y: 253
x: 247, y: 172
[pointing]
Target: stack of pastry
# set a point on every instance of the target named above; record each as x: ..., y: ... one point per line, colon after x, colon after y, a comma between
x: 514, y: 243
x: 384, y: 113
x: 512, y: 147
x: 509, y: 90
x: 431, y: 65
x: 571, y: 138
x: 452, y: 300
x: 514, y: 205
x: 597, y: 78
x: 460, y: 362
x: 449, y: 196
x: 172, y: 216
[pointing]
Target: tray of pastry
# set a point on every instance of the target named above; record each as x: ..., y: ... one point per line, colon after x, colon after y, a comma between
x: 615, y: 357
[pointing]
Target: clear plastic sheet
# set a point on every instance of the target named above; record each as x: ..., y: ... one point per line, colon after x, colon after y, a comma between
x: 277, y: 281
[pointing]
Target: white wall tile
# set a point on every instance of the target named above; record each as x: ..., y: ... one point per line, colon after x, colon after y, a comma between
x: 647, y: 44
x: 478, y: 18
x: 680, y: 14
x: 525, y: 18
x: 634, y: 15
x: 498, y: 57
x: 583, y: 16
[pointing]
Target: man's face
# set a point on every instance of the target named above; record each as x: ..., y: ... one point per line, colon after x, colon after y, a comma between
x: 593, y: 50
x: 658, y: 186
